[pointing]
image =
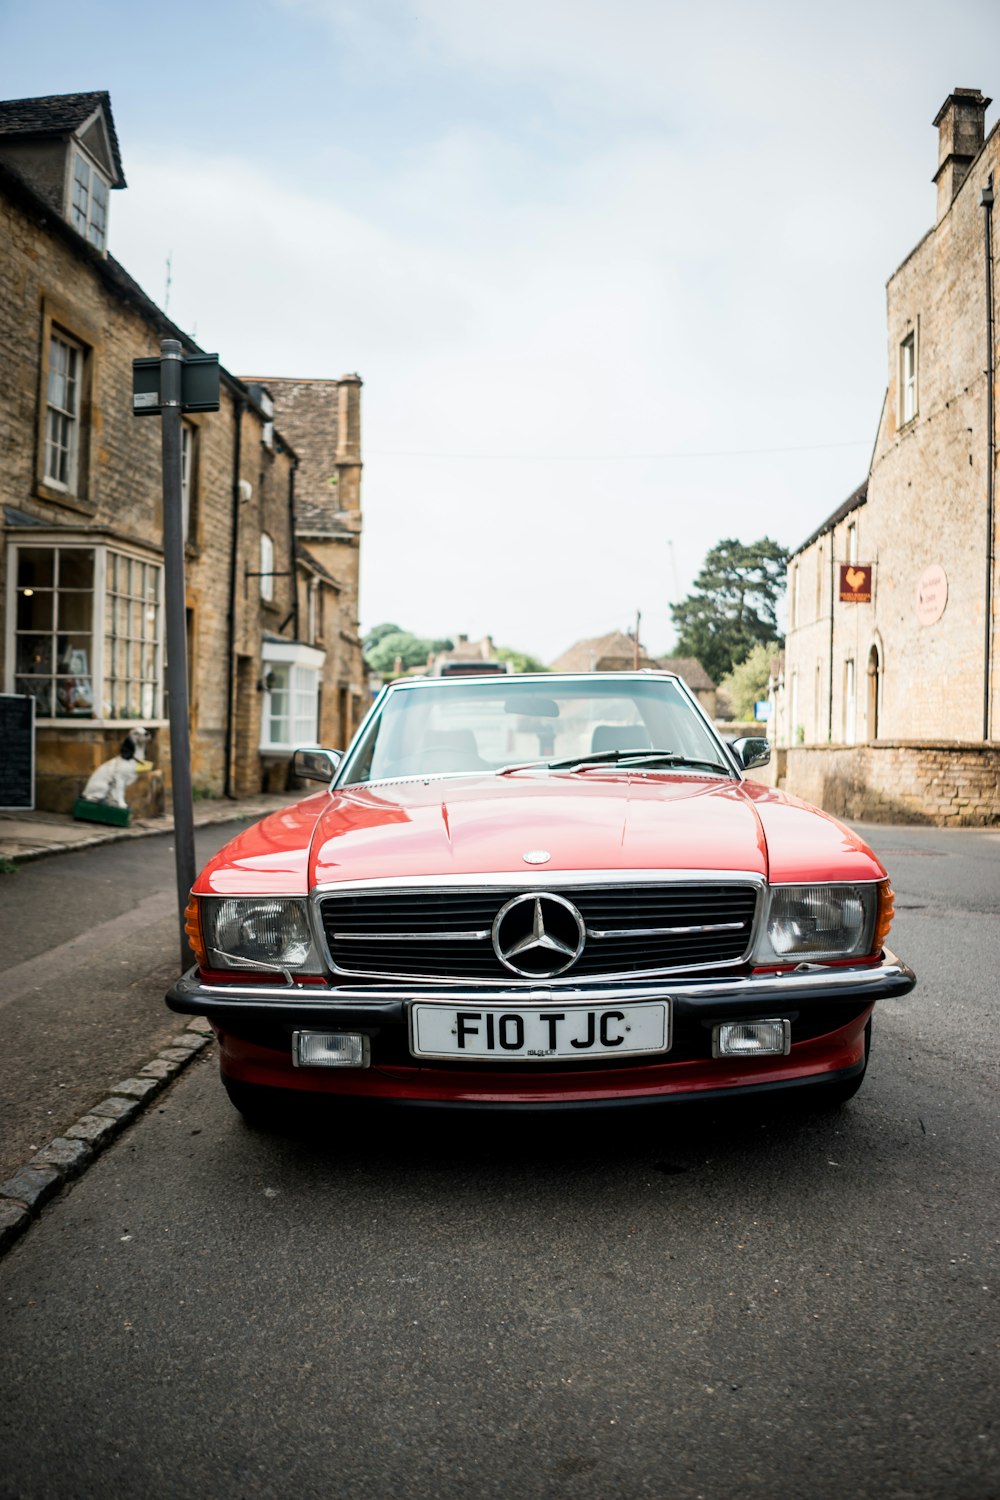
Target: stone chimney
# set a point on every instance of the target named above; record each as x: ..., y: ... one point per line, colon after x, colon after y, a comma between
x: 961, y: 132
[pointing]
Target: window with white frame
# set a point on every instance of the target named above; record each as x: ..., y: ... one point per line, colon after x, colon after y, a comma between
x: 62, y: 417
x: 266, y: 567
x: 132, y: 647
x: 852, y: 543
x: 84, y: 626
x: 292, y: 675
x: 189, y: 442
x: 313, y: 632
x: 89, y: 201
x: 908, y: 379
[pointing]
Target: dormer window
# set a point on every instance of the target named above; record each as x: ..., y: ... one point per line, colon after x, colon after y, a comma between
x: 89, y: 203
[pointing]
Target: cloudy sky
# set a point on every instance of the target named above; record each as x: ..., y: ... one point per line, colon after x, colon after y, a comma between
x: 612, y: 270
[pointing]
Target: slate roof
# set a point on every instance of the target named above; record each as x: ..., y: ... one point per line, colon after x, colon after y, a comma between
x: 322, y: 518
x: 60, y: 114
x: 854, y: 501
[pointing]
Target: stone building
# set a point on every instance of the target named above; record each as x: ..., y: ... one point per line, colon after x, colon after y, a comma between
x: 889, y: 699
x: 322, y: 420
x: 81, y: 581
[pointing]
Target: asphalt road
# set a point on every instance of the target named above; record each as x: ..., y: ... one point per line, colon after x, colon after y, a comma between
x: 88, y: 943
x: 684, y: 1303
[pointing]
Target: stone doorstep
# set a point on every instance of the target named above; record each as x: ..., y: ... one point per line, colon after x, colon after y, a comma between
x: 51, y: 1168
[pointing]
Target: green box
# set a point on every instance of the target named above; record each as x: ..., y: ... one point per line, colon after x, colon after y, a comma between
x: 100, y: 812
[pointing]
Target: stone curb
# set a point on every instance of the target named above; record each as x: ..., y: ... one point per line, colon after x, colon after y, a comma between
x: 64, y: 1158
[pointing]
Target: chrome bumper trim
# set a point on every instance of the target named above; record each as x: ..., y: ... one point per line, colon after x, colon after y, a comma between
x: 884, y: 980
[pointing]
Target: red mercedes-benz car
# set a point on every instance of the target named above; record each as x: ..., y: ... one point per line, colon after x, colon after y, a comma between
x: 540, y: 891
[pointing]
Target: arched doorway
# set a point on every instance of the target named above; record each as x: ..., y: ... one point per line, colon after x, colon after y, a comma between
x: 874, y: 676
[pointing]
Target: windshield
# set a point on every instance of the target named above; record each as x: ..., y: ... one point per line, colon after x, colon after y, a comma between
x: 461, y: 727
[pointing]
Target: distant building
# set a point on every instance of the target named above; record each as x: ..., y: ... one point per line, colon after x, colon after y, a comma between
x: 616, y: 652
x: 81, y: 571
x: 890, y: 685
x: 322, y: 420
x: 464, y: 657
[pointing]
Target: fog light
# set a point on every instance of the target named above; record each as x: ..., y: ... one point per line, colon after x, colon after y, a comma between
x: 330, y: 1049
x: 752, y: 1039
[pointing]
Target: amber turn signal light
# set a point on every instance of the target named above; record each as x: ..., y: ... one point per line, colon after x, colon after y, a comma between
x: 192, y: 929
x: 883, y: 918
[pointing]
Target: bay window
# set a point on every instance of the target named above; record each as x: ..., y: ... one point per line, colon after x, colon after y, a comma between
x: 291, y: 677
x: 85, y: 631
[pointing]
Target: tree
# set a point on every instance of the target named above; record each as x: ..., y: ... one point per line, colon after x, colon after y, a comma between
x: 734, y: 604
x: 750, y: 680
x: 520, y: 660
x: 378, y: 632
x: 383, y: 648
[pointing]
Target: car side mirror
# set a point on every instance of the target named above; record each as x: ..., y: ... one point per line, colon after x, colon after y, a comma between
x: 751, y: 752
x: 316, y: 764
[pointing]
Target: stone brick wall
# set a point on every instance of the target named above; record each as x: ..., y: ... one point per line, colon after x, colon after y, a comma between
x: 899, y: 781
x: 926, y: 505
x: 49, y: 277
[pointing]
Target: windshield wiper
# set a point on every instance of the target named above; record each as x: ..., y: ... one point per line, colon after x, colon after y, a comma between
x: 620, y: 758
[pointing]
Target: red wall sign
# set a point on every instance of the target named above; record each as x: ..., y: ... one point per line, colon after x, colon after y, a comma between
x: 855, y: 583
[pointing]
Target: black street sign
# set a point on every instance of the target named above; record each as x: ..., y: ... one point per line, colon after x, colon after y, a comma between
x: 199, y: 384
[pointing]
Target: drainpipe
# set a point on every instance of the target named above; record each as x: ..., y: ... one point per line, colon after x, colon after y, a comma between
x: 986, y: 201
x: 239, y: 407
x: 833, y: 595
x: 291, y: 546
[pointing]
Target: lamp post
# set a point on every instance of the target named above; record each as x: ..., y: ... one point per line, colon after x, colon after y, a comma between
x: 167, y: 387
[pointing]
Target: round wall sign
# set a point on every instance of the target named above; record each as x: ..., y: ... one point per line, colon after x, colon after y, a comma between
x: 932, y: 594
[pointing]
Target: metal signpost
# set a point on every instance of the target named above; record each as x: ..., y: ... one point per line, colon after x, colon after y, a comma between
x: 167, y: 387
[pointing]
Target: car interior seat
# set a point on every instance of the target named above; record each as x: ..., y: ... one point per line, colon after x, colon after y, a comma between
x: 619, y: 737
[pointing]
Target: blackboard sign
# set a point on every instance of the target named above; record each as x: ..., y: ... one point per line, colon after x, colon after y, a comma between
x: 17, y: 751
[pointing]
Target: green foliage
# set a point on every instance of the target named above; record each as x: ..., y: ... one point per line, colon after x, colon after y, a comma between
x: 734, y: 605
x: 7, y: 867
x: 378, y: 633
x: 520, y: 660
x: 750, y: 680
x: 385, y: 647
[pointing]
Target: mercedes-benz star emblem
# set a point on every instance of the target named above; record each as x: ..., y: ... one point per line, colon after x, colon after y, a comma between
x: 538, y: 935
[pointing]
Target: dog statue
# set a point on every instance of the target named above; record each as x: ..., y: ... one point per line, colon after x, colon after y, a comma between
x: 109, y: 782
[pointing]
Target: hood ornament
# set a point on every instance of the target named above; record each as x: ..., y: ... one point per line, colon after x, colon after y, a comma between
x: 536, y: 857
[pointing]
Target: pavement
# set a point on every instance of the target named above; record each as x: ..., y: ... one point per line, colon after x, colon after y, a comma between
x: 30, y: 835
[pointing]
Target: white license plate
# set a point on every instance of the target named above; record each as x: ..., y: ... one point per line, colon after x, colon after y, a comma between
x: 539, y: 1034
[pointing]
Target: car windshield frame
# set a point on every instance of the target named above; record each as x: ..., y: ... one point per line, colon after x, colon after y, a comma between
x: 705, y: 745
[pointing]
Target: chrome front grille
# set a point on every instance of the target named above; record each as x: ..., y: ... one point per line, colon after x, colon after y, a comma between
x: 445, y: 932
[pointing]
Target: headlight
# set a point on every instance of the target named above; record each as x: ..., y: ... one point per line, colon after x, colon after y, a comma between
x: 257, y: 932
x: 819, y: 921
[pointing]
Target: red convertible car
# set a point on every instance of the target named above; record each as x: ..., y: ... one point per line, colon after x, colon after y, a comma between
x: 540, y: 891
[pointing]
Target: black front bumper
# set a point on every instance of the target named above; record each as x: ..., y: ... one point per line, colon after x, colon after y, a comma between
x: 816, y: 1000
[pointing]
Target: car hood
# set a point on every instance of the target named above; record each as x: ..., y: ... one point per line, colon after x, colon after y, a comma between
x: 614, y: 821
